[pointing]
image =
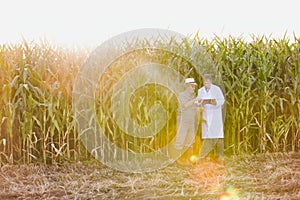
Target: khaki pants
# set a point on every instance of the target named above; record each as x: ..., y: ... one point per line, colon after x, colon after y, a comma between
x: 185, y: 135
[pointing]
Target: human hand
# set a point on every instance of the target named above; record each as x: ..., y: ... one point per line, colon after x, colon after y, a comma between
x: 199, y: 100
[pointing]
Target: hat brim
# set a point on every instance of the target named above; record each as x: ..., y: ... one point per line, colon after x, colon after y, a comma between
x: 193, y: 83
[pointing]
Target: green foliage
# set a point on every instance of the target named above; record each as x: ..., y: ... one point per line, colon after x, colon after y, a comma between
x: 37, y: 123
x: 262, y: 93
x: 261, y: 81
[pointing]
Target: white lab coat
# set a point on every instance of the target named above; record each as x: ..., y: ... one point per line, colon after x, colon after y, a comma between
x: 212, y: 125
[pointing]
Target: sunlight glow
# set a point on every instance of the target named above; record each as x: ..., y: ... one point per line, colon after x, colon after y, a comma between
x: 230, y: 194
x: 193, y: 158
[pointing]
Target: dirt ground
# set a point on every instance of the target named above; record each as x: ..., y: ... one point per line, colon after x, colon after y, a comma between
x: 264, y: 176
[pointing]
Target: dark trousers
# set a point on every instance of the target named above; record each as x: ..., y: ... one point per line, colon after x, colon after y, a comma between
x: 210, y: 144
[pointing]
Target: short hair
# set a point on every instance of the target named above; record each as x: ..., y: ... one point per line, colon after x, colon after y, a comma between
x: 207, y: 77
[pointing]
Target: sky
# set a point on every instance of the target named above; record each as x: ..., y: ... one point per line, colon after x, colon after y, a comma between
x: 91, y: 22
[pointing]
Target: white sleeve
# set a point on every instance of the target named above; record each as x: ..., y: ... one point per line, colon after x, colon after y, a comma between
x: 219, y: 97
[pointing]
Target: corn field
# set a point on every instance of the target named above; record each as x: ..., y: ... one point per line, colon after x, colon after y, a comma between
x: 261, y: 81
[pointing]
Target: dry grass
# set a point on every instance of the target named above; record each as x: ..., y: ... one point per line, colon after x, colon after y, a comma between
x: 266, y: 176
x: 261, y: 79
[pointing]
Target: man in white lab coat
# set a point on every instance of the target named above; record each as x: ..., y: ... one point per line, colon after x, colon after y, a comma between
x: 211, y: 98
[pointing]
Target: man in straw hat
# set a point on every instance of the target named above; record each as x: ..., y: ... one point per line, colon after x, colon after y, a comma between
x: 186, y: 114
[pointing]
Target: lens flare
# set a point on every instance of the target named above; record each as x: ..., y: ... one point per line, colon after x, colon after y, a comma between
x: 209, y: 175
x: 125, y: 97
x: 230, y: 194
x: 193, y: 158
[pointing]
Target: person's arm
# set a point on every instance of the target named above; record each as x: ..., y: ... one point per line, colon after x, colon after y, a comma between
x: 189, y: 103
x: 202, y: 101
x: 199, y: 99
x: 219, y: 97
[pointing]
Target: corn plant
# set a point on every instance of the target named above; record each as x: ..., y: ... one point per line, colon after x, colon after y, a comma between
x: 37, y: 121
x: 261, y: 83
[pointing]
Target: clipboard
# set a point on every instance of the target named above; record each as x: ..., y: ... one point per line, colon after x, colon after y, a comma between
x: 208, y: 101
